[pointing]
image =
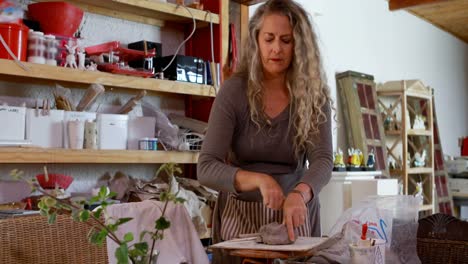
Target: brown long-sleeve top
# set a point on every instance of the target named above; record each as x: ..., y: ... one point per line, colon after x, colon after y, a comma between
x: 269, y: 150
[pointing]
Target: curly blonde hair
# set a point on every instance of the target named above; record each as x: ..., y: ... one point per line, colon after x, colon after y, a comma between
x: 305, y: 79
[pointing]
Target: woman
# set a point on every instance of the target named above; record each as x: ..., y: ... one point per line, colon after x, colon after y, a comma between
x: 267, y: 119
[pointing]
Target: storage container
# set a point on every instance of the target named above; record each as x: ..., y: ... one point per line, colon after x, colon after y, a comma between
x: 45, y: 127
x: 140, y: 127
x: 112, y: 131
x: 16, y: 37
x: 13, y: 122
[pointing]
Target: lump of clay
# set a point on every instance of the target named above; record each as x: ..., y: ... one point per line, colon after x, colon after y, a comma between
x: 275, y: 234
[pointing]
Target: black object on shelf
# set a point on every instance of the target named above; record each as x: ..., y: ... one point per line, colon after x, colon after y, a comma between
x: 142, y: 45
x: 183, y: 68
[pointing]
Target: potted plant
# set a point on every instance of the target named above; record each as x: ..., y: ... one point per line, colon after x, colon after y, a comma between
x: 137, y: 253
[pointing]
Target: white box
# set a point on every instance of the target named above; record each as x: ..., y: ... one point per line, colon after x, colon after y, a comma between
x: 45, y: 128
x: 112, y: 131
x: 140, y: 127
x: 72, y: 115
x: 13, y: 122
x: 364, y: 188
x: 457, y: 166
x: 464, y: 212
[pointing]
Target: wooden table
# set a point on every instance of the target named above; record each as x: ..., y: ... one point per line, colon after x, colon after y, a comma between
x: 254, y: 253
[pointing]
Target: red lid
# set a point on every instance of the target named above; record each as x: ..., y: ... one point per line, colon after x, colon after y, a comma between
x: 17, y: 26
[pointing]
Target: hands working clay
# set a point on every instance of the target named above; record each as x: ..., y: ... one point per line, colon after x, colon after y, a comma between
x: 272, y: 234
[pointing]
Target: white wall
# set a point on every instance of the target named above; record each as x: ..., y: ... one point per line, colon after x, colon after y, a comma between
x: 364, y: 36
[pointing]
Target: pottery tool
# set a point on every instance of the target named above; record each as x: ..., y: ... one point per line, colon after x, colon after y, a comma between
x: 91, y: 94
x: 131, y: 103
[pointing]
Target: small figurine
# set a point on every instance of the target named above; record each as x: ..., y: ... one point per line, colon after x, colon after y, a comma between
x: 92, y: 66
x: 81, y: 58
x: 362, y: 161
x: 419, y: 192
x: 70, y: 59
x: 354, y: 160
x: 408, y: 120
x: 420, y: 159
x: 391, y: 162
x: 338, y: 162
x: 419, y: 122
x: 370, y: 161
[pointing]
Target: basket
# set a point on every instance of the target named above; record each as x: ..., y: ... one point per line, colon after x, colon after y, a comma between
x: 192, y: 141
x: 30, y: 239
x: 442, y: 239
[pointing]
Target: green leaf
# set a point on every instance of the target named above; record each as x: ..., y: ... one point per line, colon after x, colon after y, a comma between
x: 65, y: 206
x: 179, y: 200
x: 93, y: 200
x: 111, y: 195
x: 97, y: 213
x: 52, y: 218
x: 50, y: 202
x: 98, y: 238
x: 41, y: 204
x: 163, y: 196
x: 162, y: 223
x: 123, y: 220
x: 128, y: 237
x: 121, y: 253
x: 44, y: 212
x: 103, y: 191
x: 139, y: 250
x: 84, y: 216
x: 75, y: 215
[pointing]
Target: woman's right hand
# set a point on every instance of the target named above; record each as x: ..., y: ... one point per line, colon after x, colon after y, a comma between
x: 271, y: 191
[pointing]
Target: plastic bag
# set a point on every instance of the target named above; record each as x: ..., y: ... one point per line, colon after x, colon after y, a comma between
x: 167, y: 133
x: 378, y: 219
x: 391, y: 218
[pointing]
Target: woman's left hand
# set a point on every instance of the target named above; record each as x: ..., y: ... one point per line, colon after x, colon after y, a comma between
x: 294, y: 213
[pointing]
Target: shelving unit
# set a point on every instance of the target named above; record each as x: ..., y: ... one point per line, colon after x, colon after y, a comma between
x: 143, y: 11
x: 44, y: 155
x: 400, y: 102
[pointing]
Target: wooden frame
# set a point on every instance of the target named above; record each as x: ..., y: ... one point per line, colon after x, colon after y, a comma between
x: 362, y: 116
x: 414, y: 97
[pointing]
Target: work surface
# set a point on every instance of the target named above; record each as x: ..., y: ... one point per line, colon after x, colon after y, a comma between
x: 301, y: 244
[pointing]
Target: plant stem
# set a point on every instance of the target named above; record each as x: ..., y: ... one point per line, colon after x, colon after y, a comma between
x: 109, y: 232
x: 157, y: 231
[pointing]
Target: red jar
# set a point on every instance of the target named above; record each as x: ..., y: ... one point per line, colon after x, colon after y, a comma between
x: 16, y: 37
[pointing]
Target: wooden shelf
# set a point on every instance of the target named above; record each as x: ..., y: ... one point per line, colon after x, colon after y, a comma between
x: 43, y: 155
x: 459, y: 195
x: 143, y: 11
x: 425, y: 207
x: 419, y: 132
x: 9, y: 68
x: 420, y: 170
x: 393, y: 132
